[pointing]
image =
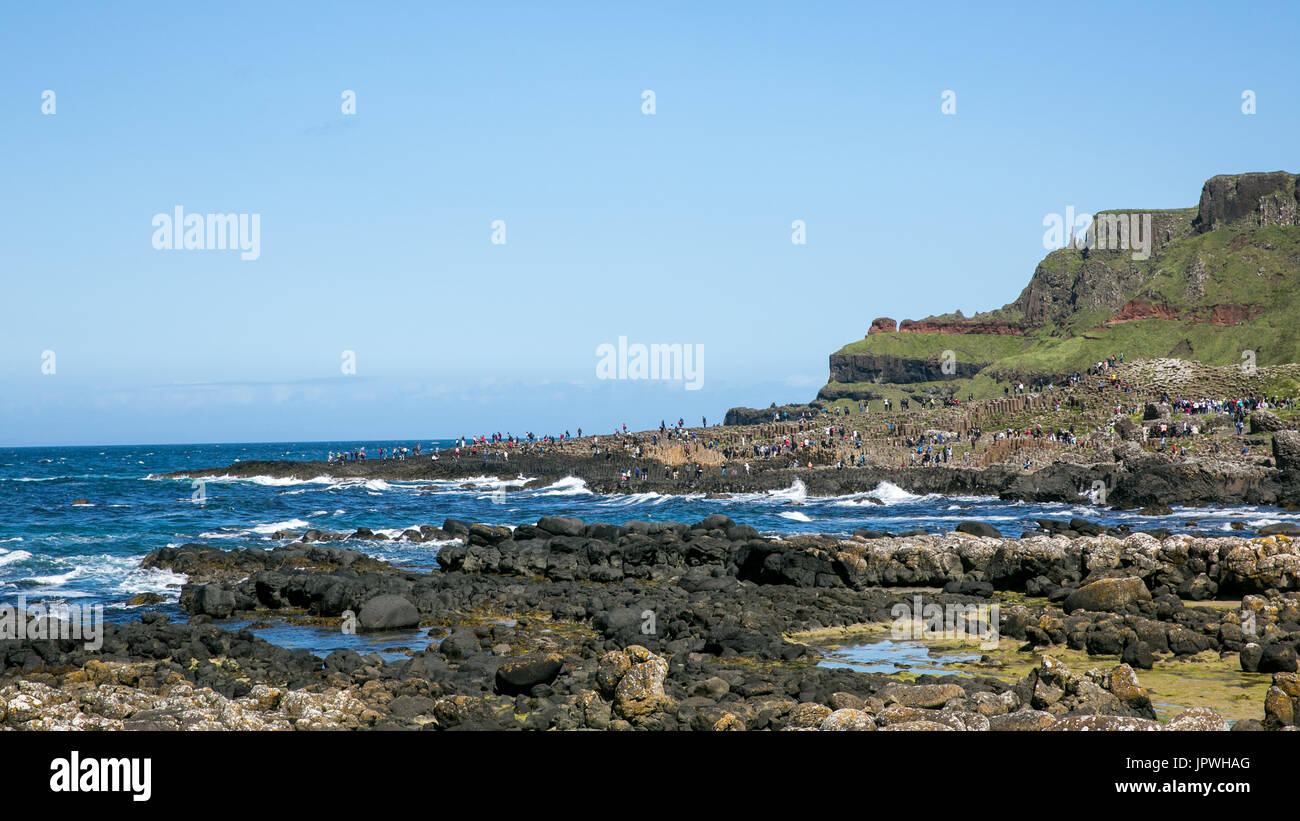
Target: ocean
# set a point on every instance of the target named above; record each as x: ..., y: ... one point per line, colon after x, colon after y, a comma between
x: 54, y: 550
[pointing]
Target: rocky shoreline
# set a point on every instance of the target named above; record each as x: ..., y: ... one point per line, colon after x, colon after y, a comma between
x: 571, y: 625
x: 1132, y: 477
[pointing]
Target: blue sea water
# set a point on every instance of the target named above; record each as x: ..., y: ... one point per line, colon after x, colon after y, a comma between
x: 53, y: 549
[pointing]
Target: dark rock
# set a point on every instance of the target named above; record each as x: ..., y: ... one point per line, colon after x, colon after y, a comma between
x: 562, y: 525
x: 460, y: 644
x: 1279, y: 529
x: 521, y: 675
x: 1278, y: 658
x: 983, y: 529
x: 1138, y: 655
x: 388, y: 613
x: 1250, y: 657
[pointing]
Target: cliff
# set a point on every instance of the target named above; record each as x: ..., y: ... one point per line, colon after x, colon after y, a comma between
x: 1218, y: 283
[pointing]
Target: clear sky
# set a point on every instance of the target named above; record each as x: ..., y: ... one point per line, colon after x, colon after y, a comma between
x: 675, y: 227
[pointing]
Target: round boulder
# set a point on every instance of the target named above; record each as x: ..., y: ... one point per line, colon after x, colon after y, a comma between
x: 387, y: 612
x: 521, y: 675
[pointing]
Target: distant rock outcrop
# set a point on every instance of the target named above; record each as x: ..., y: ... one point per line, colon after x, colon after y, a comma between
x: 1260, y: 199
x: 882, y: 325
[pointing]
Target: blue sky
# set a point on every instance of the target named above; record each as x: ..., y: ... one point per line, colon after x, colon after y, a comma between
x: 665, y: 228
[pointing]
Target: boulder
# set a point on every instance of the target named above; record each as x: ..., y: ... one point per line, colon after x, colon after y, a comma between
x: 1104, y: 723
x: 1123, y: 684
x: 809, y: 715
x: 848, y: 719
x: 1278, y: 658
x: 1279, y: 529
x: 460, y: 644
x: 1261, y: 421
x: 640, y: 691
x: 389, y: 612
x: 1025, y: 720
x: 562, y: 525
x: 1198, y: 719
x: 1282, y: 702
x: 1108, y: 595
x: 1250, y: 657
x: 926, y: 696
x: 1286, y: 450
x: 520, y: 675
x: 982, y: 529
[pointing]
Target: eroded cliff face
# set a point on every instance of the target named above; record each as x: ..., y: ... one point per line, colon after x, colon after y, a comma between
x: 1231, y: 280
x: 969, y: 326
x: 1072, y: 280
x: 897, y: 369
x: 1217, y: 315
x: 1260, y: 199
x: 1058, y: 290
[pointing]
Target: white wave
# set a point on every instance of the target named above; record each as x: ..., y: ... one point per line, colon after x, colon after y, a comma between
x: 15, y: 556
x: 54, y: 580
x: 152, y: 580
x: 267, y: 481
x: 481, y: 482
x: 395, y: 533
x: 885, y: 494
x: 14, y: 539
x: 633, y: 499
x: 568, y: 486
x: 892, y: 494
x: 796, y: 493
x: 795, y: 516
x: 274, y: 526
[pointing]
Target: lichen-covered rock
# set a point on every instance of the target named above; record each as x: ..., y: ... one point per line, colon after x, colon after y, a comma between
x: 729, y: 722
x: 640, y: 690
x: 611, y: 669
x: 848, y: 719
x: 808, y: 715
x: 1198, y: 719
x: 917, y: 727
x: 921, y: 695
x: 1022, y: 720
x: 1123, y: 683
x: 1103, y: 723
x: 595, y: 711
x: 1282, y: 702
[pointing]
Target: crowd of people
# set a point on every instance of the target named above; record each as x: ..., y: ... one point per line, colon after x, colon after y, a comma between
x: 809, y: 441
